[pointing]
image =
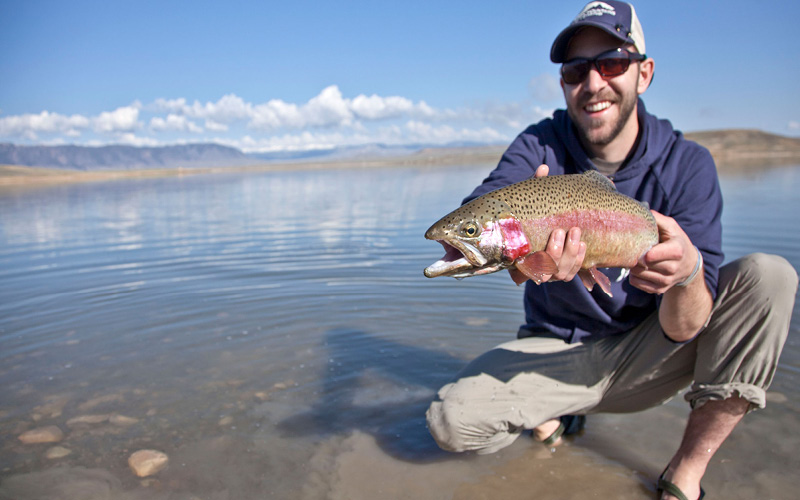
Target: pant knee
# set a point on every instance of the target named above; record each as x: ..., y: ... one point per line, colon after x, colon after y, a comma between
x: 464, y: 419
x: 768, y: 276
x: 442, y: 428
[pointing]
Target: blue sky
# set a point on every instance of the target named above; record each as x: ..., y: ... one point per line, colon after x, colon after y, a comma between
x: 275, y: 76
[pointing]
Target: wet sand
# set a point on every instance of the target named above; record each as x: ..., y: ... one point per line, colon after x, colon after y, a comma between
x: 616, y: 457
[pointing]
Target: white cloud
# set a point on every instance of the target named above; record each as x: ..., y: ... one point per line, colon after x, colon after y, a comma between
x: 327, y: 109
x: 376, y: 107
x: 124, y: 119
x: 793, y: 125
x: 303, y: 141
x: 443, y: 134
x: 30, y: 125
x: 227, y: 109
x: 275, y: 114
x: 214, y: 126
x: 132, y: 139
x: 175, y: 123
x: 411, y: 132
x: 170, y: 105
x: 326, y: 120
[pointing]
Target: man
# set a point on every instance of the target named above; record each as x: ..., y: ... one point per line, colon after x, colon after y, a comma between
x: 677, y: 318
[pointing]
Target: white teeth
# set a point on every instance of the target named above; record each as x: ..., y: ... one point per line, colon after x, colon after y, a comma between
x: 598, y: 106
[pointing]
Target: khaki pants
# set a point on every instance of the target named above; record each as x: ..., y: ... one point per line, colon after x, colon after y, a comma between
x: 523, y: 383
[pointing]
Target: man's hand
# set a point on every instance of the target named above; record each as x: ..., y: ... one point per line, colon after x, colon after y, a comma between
x: 671, y: 261
x: 565, y: 247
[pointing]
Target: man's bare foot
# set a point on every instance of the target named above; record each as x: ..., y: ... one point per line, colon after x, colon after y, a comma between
x: 546, y: 431
x: 687, y: 483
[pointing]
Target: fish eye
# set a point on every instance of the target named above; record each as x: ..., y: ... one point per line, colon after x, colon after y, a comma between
x: 470, y: 229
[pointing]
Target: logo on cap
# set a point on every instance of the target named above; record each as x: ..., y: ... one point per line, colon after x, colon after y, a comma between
x: 595, y: 9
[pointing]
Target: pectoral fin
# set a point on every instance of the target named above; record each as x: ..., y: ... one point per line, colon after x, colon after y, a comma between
x: 535, y: 266
x: 517, y: 276
x: 591, y: 276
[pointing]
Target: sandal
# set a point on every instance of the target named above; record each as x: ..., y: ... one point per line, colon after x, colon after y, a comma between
x: 568, y: 425
x: 555, y: 436
x: 664, y: 486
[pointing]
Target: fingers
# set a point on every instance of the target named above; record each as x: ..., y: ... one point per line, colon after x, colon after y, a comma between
x: 648, y: 281
x: 542, y: 171
x: 668, y: 262
x: 568, y: 251
x: 670, y: 236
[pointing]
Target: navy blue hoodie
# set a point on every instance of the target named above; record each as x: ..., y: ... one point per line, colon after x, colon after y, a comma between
x: 675, y: 176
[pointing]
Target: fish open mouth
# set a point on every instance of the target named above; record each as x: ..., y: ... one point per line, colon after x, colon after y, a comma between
x: 459, y: 257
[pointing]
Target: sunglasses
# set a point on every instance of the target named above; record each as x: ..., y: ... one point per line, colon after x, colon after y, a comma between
x: 612, y: 63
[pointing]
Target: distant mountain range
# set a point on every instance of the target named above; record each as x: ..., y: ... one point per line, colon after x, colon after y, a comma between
x: 118, y: 157
x: 727, y: 146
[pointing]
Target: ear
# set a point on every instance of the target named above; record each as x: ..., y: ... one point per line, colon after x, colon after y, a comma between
x: 646, y: 70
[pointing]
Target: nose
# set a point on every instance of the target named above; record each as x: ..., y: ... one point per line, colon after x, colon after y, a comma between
x: 594, y: 81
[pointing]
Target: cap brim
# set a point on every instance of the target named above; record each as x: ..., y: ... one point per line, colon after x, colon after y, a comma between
x: 558, y: 52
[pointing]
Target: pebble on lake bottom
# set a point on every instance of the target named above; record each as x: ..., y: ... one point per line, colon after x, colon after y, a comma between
x: 122, y: 420
x: 49, y: 434
x: 87, y: 420
x: 147, y: 462
x: 57, y: 452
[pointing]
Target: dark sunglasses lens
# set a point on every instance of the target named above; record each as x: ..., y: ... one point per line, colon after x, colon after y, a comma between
x: 575, y: 72
x: 613, y: 66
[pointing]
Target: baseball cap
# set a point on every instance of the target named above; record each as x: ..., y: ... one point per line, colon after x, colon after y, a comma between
x: 615, y: 18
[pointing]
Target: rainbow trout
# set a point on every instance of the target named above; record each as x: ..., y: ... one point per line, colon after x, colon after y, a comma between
x: 509, y: 228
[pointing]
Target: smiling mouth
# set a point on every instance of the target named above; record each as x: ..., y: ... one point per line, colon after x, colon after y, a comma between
x: 597, y: 106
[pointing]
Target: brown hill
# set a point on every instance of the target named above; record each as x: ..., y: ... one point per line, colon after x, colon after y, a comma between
x: 745, y: 147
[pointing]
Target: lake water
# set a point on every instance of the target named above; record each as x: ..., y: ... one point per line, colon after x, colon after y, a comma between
x: 274, y: 335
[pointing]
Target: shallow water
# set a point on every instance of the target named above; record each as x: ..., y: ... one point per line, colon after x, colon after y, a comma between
x: 274, y: 335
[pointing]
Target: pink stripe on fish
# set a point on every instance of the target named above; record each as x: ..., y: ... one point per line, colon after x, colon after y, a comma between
x: 600, y: 220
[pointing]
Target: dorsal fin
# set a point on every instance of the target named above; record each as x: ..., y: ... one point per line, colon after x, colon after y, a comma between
x: 600, y: 179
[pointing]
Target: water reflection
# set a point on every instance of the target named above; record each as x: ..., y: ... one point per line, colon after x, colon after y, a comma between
x: 275, y: 313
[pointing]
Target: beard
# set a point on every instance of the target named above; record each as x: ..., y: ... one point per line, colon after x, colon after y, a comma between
x: 599, y: 132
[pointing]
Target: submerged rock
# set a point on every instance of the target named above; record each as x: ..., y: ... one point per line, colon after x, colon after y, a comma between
x: 57, y: 452
x: 87, y: 420
x: 49, y: 434
x: 98, y: 401
x: 52, y: 407
x: 122, y: 420
x: 147, y: 462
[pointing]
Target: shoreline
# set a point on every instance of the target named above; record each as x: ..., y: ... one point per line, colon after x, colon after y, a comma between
x: 727, y: 158
x: 16, y: 175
